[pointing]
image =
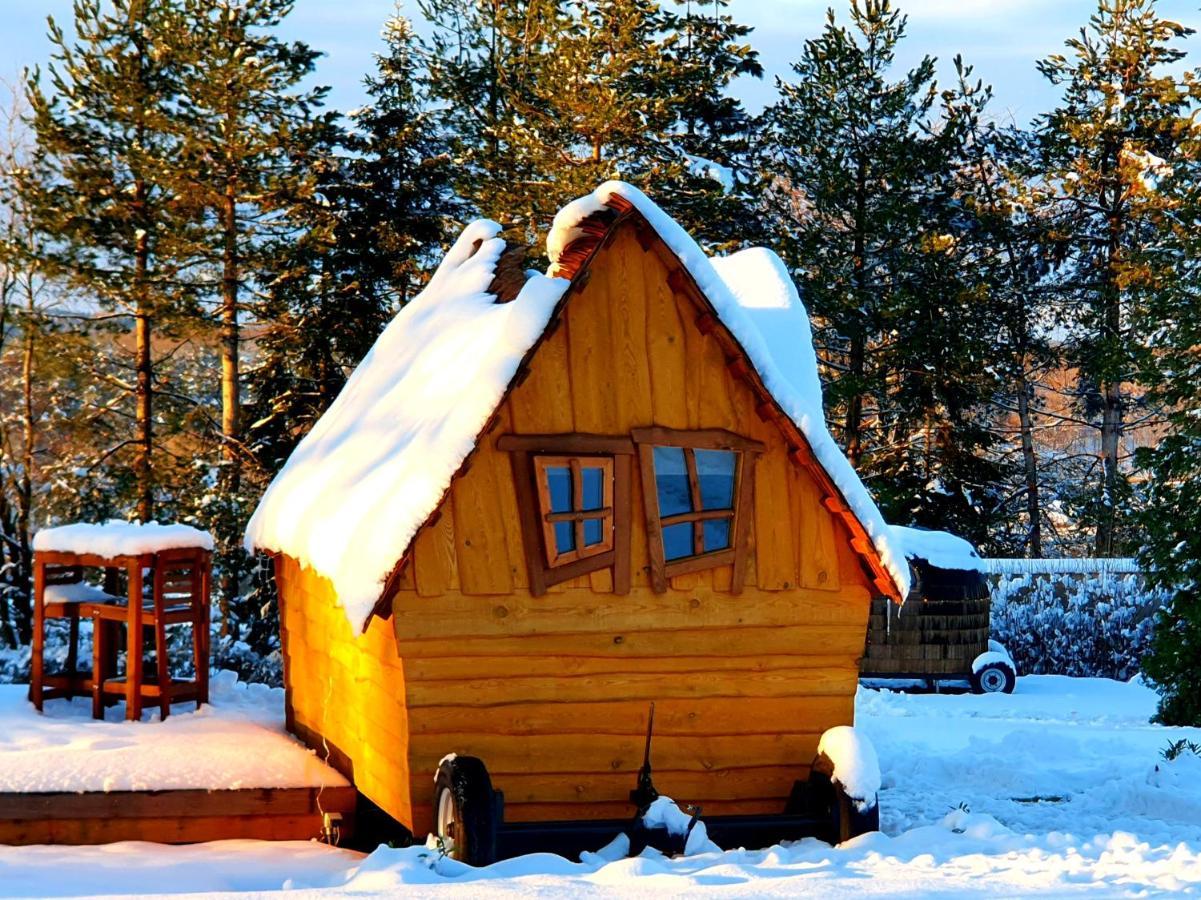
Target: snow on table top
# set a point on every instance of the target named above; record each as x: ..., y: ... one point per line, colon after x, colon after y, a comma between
x: 359, y: 485
x: 236, y: 742
x: 939, y: 548
x: 119, y: 538
x: 755, y: 298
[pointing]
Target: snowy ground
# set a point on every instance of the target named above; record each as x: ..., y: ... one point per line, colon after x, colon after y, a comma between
x: 1062, y: 788
x: 237, y: 742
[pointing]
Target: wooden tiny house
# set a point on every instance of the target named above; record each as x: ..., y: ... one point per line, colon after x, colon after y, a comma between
x: 639, y: 518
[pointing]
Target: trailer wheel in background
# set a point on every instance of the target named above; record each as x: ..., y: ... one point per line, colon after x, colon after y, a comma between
x: 465, y: 810
x: 994, y: 678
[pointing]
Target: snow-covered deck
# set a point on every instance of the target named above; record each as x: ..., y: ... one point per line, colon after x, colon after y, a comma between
x: 1059, y: 789
x: 227, y: 770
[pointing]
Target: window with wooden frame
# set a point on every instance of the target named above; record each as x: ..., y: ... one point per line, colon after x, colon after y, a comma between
x: 697, y: 488
x: 573, y: 494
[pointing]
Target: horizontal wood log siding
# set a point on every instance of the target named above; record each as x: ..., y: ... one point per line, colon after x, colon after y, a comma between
x: 344, y: 693
x: 552, y: 691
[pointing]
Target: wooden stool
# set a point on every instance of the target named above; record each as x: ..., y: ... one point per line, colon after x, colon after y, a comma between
x: 180, y: 585
x: 180, y: 595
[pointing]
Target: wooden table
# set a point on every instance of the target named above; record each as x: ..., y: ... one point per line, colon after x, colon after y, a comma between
x: 176, y: 573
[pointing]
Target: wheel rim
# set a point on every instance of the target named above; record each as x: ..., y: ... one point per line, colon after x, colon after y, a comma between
x: 448, y: 823
x: 992, y: 680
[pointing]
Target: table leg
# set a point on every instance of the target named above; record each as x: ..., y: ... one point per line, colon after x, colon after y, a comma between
x: 72, y: 653
x: 99, y: 652
x: 134, y: 640
x: 203, y: 631
x: 160, y: 645
x: 37, y: 662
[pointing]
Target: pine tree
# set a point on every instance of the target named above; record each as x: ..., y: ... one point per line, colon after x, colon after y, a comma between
x: 247, y: 133
x: 106, y: 209
x: 549, y: 98
x: 1004, y: 251
x: 382, y: 208
x: 481, y: 61
x: 1164, y: 273
x: 711, y: 186
x: 869, y: 189
x: 1123, y: 108
x: 844, y: 152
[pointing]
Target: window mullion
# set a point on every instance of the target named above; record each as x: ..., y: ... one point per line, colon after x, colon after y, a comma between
x: 694, y: 488
x: 577, y: 501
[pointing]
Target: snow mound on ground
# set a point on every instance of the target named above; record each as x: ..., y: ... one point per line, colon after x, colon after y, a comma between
x: 354, y: 492
x: 120, y: 538
x: 664, y: 813
x: 856, y: 766
x: 759, y: 304
x: 939, y: 548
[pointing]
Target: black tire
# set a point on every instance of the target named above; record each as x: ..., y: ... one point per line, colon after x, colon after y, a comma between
x: 994, y: 678
x: 465, y: 811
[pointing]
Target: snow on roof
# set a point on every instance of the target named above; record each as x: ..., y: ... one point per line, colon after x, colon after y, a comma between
x: 375, y: 466
x: 758, y: 302
x: 939, y: 548
x: 120, y: 538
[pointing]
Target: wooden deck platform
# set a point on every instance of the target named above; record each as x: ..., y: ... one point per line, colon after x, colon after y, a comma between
x: 173, y: 817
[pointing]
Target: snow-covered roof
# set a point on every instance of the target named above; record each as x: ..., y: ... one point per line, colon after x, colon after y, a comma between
x: 939, y: 548
x: 758, y: 302
x: 358, y: 487
x: 354, y: 492
x: 117, y: 537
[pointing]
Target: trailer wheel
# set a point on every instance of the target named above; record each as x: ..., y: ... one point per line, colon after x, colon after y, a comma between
x: 465, y: 810
x: 994, y: 678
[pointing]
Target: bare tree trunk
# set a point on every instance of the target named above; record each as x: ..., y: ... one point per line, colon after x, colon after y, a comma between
x: 25, y: 484
x: 144, y: 390
x: 230, y: 393
x: 231, y: 480
x: 1030, y: 468
x: 853, y: 430
x: 1111, y: 391
x: 1111, y: 435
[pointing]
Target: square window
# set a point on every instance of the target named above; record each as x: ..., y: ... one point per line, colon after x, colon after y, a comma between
x: 575, y: 506
x: 697, y: 492
x: 573, y: 498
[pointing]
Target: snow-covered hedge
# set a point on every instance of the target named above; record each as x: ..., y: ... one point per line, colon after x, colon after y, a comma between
x: 1075, y: 624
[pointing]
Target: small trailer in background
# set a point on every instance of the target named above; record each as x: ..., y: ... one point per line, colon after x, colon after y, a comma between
x: 942, y: 631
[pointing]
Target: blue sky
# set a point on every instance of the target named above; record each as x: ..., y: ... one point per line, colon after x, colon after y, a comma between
x: 1002, y: 38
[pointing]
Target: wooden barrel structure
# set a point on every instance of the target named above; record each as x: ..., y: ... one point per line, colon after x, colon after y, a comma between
x: 939, y: 631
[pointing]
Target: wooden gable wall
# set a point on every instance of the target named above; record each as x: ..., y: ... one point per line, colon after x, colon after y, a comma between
x: 552, y: 691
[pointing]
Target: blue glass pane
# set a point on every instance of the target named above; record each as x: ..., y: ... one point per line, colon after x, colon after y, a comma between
x: 671, y: 480
x: 717, y: 535
x: 593, y: 483
x: 558, y: 479
x: 677, y: 541
x: 564, y: 537
x: 715, y: 472
x: 594, y: 532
